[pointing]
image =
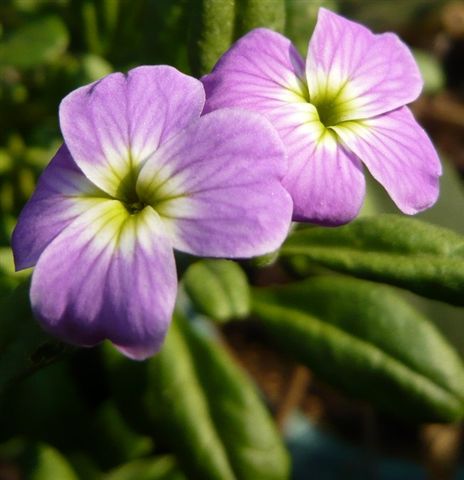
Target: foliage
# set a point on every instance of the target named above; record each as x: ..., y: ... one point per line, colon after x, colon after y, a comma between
x: 192, y: 412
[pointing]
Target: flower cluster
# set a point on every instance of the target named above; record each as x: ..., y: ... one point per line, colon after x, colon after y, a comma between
x: 148, y: 167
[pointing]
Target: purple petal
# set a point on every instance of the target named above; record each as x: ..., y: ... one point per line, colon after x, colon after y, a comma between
x: 261, y: 72
x: 399, y: 155
x: 326, y: 181
x: 113, y: 125
x: 108, y: 275
x: 357, y: 74
x: 63, y: 192
x: 217, y: 186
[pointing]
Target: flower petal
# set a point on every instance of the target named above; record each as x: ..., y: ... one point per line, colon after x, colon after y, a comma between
x: 270, y: 83
x: 356, y: 74
x: 261, y: 71
x: 217, y: 186
x: 108, y: 275
x: 113, y: 125
x: 399, y: 155
x: 326, y: 181
x: 63, y: 192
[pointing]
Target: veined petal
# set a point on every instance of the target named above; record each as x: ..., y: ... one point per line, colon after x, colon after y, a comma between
x: 108, y: 275
x: 399, y: 155
x: 113, y: 125
x: 261, y: 71
x: 354, y: 74
x: 221, y: 198
x: 326, y: 181
x: 63, y: 192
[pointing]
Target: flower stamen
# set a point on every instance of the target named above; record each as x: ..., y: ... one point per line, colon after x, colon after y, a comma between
x: 134, y: 207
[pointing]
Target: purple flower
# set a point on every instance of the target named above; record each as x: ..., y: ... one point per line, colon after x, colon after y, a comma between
x: 344, y: 106
x: 141, y: 173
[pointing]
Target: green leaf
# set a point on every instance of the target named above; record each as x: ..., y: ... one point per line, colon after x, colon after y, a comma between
x: 56, y: 397
x: 9, y: 279
x: 37, y: 461
x: 34, y: 44
x: 411, y: 254
x: 49, y: 463
x: 218, y: 289
x: 84, y: 466
x: 193, y: 397
x: 24, y: 347
x: 93, y: 67
x: 113, y: 442
x: 431, y: 71
x: 211, y: 32
x: 162, y: 468
x: 364, y: 339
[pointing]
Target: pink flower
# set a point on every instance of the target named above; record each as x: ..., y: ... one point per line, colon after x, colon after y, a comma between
x: 344, y: 106
x: 141, y: 174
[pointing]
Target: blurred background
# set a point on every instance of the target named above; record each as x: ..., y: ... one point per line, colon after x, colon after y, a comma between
x: 60, y: 424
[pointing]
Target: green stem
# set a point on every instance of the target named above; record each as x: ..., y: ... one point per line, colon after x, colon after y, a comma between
x: 259, y: 13
x: 211, y: 32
